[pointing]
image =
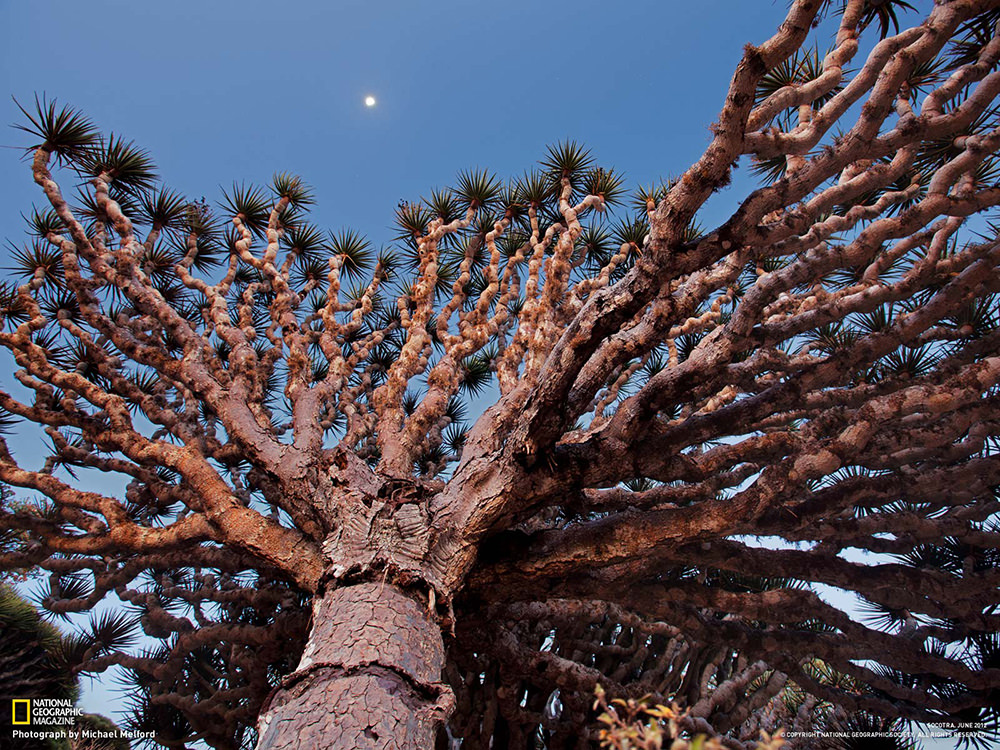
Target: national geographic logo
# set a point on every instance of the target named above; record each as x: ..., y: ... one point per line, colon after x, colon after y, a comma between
x: 57, y: 719
x: 43, y: 712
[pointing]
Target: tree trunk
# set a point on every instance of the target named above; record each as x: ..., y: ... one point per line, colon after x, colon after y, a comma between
x: 369, y: 677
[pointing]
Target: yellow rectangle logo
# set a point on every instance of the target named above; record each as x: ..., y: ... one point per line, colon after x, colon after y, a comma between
x: 20, y: 711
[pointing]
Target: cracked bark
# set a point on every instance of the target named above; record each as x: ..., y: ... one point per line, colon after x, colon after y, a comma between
x: 823, y: 367
x: 369, y: 676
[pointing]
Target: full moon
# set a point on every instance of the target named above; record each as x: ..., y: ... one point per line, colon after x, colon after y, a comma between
x: 369, y: 101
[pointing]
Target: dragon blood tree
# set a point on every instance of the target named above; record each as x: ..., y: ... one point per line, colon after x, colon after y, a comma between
x: 332, y: 555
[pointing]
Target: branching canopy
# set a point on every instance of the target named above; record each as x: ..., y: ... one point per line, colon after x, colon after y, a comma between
x: 692, y: 427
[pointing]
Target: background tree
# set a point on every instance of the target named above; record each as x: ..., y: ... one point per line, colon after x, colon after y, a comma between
x: 35, y: 661
x: 323, y: 543
x: 39, y: 661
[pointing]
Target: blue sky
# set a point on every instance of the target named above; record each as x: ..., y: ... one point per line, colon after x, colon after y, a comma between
x: 221, y: 91
x: 224, y: 90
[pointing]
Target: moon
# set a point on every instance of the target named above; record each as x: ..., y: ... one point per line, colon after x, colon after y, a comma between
x: 369, y: 101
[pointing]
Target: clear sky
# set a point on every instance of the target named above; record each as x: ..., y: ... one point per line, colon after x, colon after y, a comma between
x: 232, y: 90
x: 222, y: 90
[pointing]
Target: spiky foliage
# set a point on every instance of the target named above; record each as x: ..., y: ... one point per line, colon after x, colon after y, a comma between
x: 886, y: 13
x: 801, y: 68
x: 694, y: 426
x: 249, y: 205
x: 67, y: 134
x: 354, y: 251
x: 292, y: 189
x: 163, y: 209
x: 566, y: 159
x: 125, y: 167
x: 476, y: 189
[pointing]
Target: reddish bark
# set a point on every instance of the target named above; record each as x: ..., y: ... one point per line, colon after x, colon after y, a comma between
x: 370, y: 676
x: 822, y: 368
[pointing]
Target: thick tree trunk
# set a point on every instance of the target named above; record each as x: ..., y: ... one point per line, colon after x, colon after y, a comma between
x: 369, y: 677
